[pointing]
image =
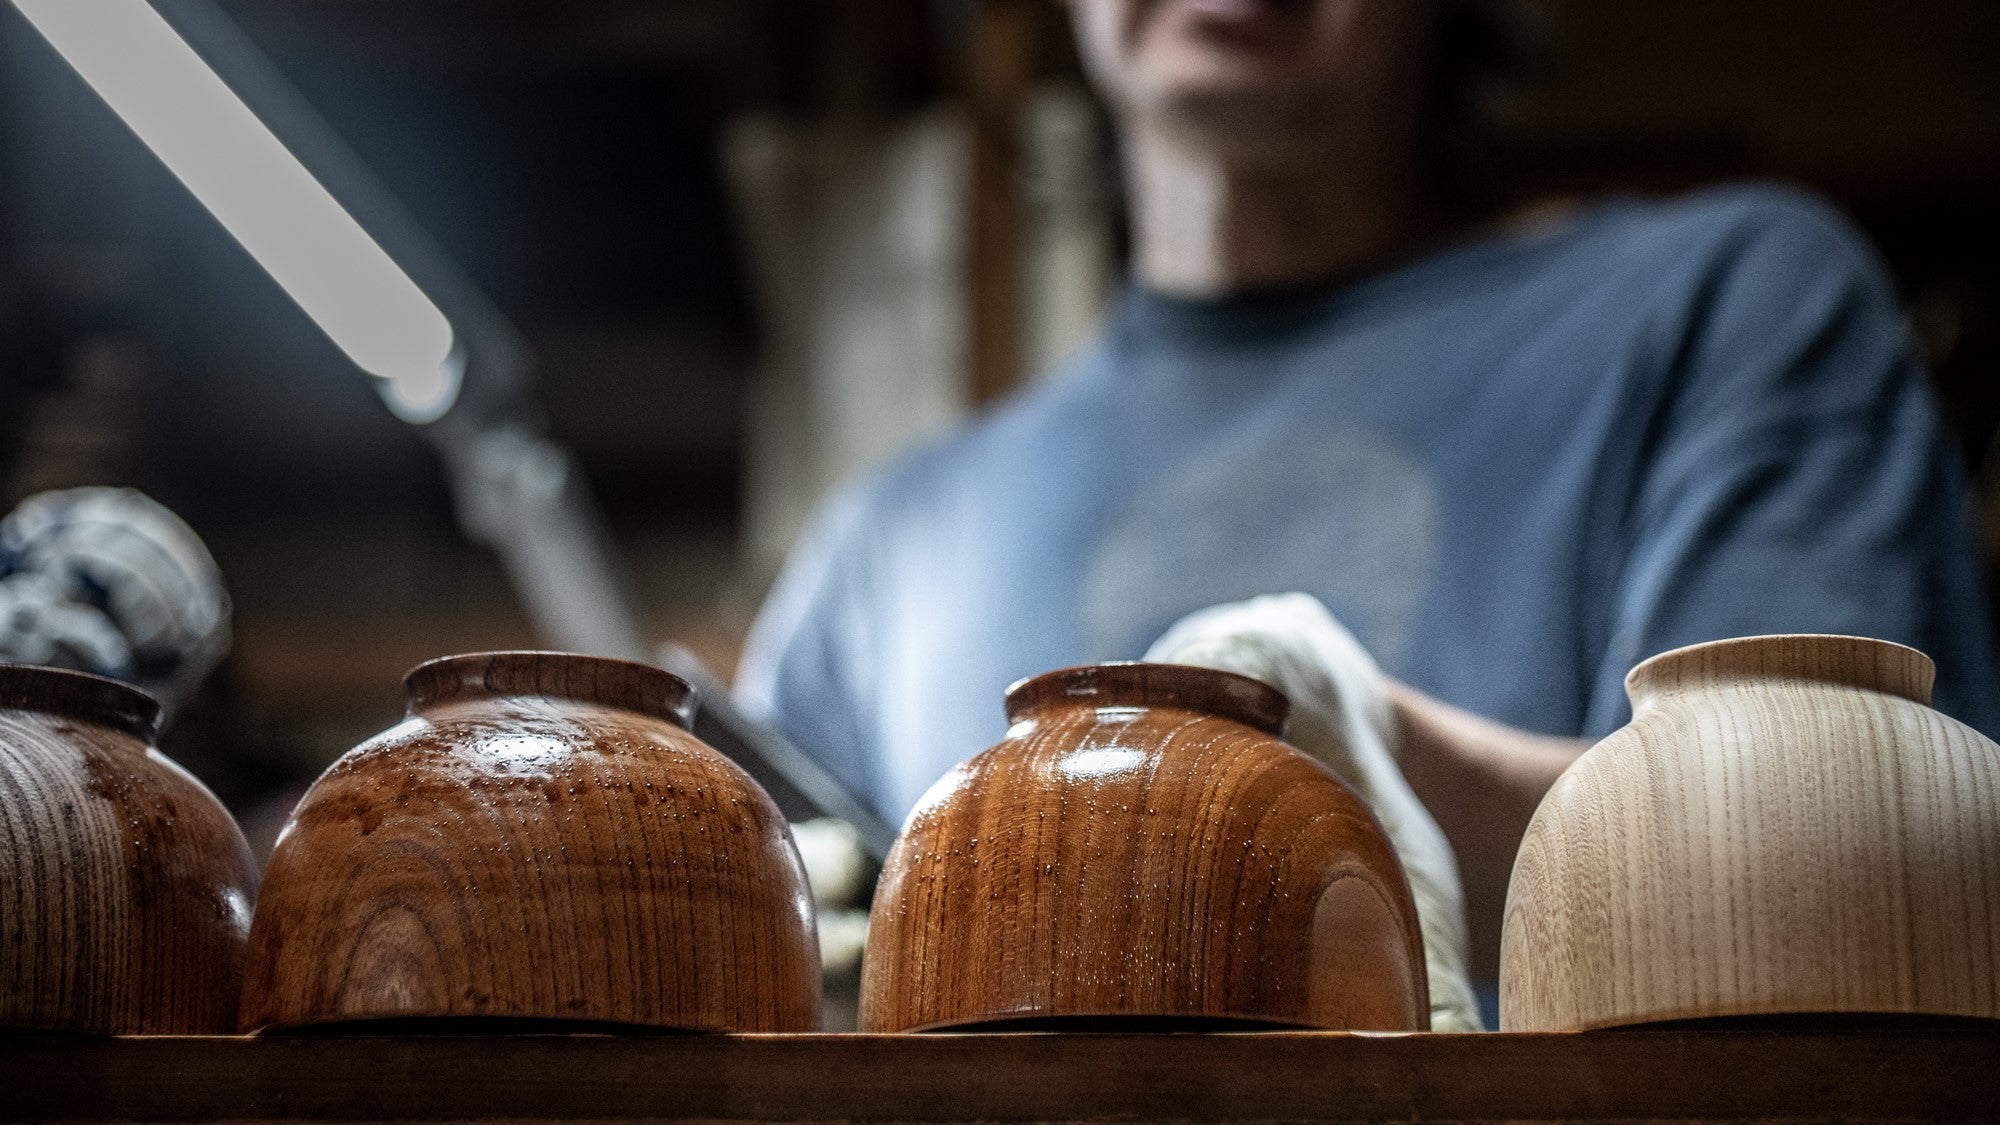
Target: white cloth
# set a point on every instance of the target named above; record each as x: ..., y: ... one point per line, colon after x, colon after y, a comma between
x: 1341, y: 716
x: 836, y: 864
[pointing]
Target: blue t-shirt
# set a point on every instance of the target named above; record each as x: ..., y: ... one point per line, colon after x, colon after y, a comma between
x: 1513, y: 468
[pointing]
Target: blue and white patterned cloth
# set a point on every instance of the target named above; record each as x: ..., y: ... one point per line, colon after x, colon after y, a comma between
x: 106, y: 580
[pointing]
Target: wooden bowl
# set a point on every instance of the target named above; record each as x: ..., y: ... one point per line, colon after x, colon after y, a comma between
x: 1142, y: 849
x: 125, y: 887
x: 1785, y: 828
x: 540, y: 844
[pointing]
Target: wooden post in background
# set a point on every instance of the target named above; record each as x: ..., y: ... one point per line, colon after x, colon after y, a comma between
x: 1000, y: 69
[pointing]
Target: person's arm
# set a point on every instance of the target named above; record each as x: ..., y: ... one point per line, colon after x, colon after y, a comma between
x: 1481, y: 781
x: 1793, y: 478
x: 1797, y: 477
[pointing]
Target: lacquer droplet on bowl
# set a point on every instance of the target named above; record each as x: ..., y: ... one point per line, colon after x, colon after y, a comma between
x: 541, y: 844
x: 1142, y: 850
x: 125, y: 886
x: 1785, y: 829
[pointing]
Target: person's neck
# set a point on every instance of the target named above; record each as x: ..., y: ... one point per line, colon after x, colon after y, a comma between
x: 1205, y: 226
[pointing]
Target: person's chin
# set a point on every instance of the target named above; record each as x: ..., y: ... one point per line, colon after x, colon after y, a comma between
x: 1255, y: 26
x: 1238, y: 130
x: 1188, y: 63
x: 1229, y: 96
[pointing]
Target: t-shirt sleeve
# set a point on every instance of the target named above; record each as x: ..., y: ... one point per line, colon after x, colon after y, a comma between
x: 1799, y: 480
x: 802, y: 663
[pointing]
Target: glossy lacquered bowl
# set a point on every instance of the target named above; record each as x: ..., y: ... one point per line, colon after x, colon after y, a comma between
x: 125, y: 887
x: 1142, y: 850
x: 540, y: 844
x: 1785, y: 829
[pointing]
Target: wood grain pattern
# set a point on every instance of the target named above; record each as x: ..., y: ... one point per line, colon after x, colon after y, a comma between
x: 125, y: 887
x: 1142, y: 845
x: 542, y: 839
x: 1785, y: 826
x: 1622, y: 1076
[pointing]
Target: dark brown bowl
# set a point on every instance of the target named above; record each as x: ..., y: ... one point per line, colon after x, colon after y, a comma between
x: 125, y: 887
x: 541, y: 840
x: 1142, y: 849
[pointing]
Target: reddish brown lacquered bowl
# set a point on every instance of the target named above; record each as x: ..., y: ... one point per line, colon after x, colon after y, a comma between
x: 1142, y: 849
x: 541, y: 840
x: 125, y: 887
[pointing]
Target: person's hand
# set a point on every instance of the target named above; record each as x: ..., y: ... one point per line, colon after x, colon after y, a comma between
x: 1341, y: 716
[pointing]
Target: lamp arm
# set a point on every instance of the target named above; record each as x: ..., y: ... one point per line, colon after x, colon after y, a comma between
x: 521, y: 495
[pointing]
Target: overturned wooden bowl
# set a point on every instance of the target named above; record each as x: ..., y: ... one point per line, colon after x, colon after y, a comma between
x: 125, y: 887
x: 1142, y: 850
x: 1785, y: 829
x: 540, y: 844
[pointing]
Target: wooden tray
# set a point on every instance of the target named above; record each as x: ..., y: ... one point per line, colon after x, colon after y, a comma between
x: 1624, y: 1075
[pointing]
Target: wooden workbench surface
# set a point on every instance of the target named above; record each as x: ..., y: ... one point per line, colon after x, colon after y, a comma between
x: 1626, y: 1075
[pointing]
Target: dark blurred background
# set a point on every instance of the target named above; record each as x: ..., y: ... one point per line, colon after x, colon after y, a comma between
x: 753, y: 246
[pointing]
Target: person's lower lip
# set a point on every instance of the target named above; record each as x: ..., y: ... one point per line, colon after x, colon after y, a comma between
x: 1240, y: 11
x: 1242, y: 17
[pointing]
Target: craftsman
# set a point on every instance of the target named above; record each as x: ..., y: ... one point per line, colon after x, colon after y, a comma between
x: 1512, y: 457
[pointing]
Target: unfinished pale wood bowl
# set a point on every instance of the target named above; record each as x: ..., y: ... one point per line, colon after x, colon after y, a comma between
x: 125, y: 887
x: 541, y: 844
x: 1786, y: 828
x: 1142, y: 850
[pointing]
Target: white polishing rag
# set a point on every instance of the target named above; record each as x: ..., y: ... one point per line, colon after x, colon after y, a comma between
x: 1341, y: 716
